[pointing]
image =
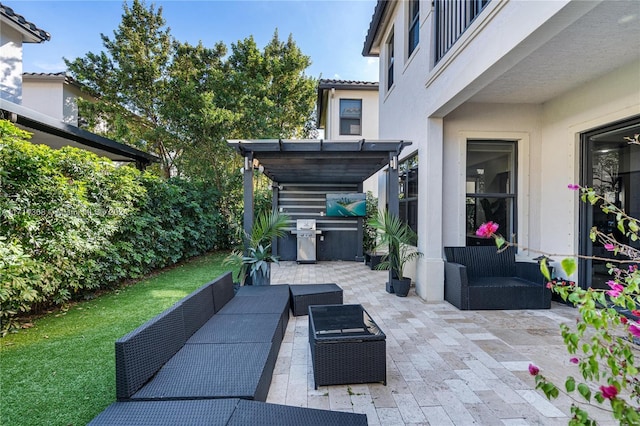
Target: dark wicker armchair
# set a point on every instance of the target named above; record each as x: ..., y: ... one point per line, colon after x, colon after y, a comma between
x: 481, y: 278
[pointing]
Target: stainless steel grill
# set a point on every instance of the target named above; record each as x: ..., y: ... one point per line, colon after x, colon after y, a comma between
x: 306, y: 240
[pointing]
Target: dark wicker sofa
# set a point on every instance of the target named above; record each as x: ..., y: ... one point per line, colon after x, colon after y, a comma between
x: 478, y: 277
x: 212, y: 345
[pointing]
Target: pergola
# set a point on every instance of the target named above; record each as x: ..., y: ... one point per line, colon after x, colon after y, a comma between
x: 318, y: 161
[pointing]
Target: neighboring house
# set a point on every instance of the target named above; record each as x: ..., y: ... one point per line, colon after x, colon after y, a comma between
x: 44, y: 104
x: 507, y: 102
x: 348, y: 110
x: 53, y: 94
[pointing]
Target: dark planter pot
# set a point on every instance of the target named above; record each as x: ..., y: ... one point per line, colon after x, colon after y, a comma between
x: 401, y: 287
x: 262, y: 279
x: 394, y: 277
x: 375, y: 261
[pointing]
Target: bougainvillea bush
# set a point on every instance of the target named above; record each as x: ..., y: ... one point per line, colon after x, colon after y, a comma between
x: 603, y: 342
x: 72, y: 223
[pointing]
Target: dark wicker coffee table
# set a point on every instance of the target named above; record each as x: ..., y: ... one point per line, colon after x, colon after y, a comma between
x: 347, y: 346
x: 305, y: 295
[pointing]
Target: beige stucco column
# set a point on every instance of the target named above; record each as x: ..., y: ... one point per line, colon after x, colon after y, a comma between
x: 430, y: 270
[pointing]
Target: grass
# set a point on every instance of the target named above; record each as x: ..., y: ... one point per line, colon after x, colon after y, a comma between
x: 62, y: 370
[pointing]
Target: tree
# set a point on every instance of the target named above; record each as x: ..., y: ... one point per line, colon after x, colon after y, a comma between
x: 130, y: 82
x: 269, y: 89
x: 182, y: 101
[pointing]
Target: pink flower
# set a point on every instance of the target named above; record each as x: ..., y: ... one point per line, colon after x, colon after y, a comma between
x: 486, y: 230
x: 549, y: 284
x: 634, y: 329
x: 533, y: 370
x: 616, y: 289
x: 573, y: 186
x: 636, y: 312
x: 574, y: 360
x: 609, y: 392
x: 609, y: 247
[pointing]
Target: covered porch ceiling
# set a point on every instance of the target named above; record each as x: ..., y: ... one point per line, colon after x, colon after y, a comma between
x: 319, y: 161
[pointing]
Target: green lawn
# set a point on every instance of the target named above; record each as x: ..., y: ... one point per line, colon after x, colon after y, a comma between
x: 62, y: 371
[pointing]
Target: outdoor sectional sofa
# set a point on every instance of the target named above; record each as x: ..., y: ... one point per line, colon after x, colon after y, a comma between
x: 480, y: 277
x: 215, y: 344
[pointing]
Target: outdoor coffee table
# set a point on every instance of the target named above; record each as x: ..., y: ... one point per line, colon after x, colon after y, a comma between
x: 304, y: 295
x: 347, y: 346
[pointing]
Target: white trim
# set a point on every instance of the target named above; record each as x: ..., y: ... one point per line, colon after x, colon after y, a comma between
x: 523, y: 190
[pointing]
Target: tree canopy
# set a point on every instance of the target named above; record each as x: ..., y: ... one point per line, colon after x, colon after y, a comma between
x: 182, y: 101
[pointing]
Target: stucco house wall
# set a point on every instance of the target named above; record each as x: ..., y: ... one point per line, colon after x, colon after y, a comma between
x: 10, y: 64
x: 330, y: 93
x: 53, y: 95
x: 369, y: 126
x: 476, y: 91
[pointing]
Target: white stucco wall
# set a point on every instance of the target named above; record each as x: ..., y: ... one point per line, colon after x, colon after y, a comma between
x: 547, y: 134
x: 70, y: 106
x: 10, y: 64
x: 548, y: 157
x: 518, y: 123
x: 370, y: 122
x: 52, y: 96
x: 44, y: 95
x: 608, y: 99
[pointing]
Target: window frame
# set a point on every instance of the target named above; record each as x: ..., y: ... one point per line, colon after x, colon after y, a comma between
x: 348, y: 118
x: 413, y: 27
x: 390, y: 60
x: 407, y: 187
x: 512, y: 194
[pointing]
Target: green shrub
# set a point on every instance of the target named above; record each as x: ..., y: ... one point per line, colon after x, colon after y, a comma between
x: 72, y: 222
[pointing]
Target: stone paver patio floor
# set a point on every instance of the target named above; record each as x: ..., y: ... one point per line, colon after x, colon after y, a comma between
x: 444, y: 366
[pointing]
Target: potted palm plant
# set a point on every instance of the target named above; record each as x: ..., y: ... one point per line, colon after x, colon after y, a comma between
x: 400, y: 240
x: 255, y: 263
x: 370, y: 235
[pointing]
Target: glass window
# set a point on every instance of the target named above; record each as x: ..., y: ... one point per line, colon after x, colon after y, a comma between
x: 414, y: 25
x: 611, y: 166
x: 491, y: 188
x: 408, y: 191
x: 390, y: 61
x: 350, y: 116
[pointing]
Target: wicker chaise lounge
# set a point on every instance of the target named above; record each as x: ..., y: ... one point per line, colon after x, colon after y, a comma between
x: 209, y: 360
x: 220, y: 412
x: 479, y: 277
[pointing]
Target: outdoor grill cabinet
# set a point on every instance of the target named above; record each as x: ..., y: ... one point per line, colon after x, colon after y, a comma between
x: 306, y: 240
x: 209, y: 360
x: 347, y: 346
x: 480, y: 277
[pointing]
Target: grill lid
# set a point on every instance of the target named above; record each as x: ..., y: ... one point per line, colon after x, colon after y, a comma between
x: 308, y: 224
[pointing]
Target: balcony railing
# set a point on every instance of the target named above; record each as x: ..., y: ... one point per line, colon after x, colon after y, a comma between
x: 452, y: 18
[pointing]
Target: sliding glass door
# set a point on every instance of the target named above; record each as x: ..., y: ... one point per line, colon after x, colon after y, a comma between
x: 611, y: 165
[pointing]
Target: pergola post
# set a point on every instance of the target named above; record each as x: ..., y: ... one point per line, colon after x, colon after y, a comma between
x: 360, y: 237
x: 275, y: 189
x: 248, y: 193
x: 392, y: 185
x: 393, y: 189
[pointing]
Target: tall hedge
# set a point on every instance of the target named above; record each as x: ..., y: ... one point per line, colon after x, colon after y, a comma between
x: 72, y: 222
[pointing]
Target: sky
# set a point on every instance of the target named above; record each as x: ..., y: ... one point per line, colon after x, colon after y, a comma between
x: 330, y: 32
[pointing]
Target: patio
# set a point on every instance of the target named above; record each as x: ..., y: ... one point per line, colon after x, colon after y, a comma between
x: 444, y: 366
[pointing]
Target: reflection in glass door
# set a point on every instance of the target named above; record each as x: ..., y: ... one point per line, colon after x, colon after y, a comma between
x: 491, y: 188
x: 611, y: 165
